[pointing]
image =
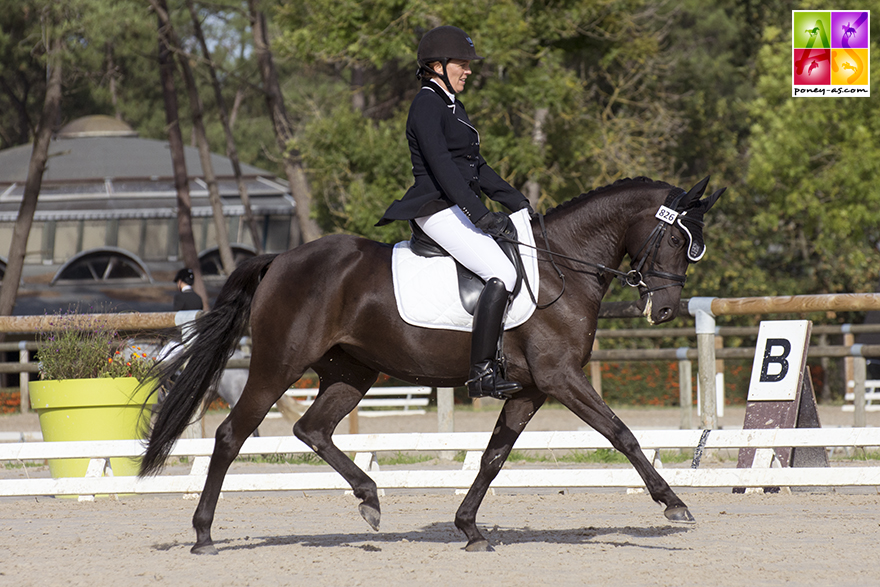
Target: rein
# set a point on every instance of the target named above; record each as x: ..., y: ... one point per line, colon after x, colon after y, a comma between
x: 632, y: 278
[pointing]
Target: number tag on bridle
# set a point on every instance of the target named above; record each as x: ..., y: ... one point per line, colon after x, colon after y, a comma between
x: 667, y: 215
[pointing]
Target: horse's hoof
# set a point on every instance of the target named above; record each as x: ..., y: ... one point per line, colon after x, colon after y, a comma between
x: 679, y: 514
x: 204, y: 549
x: 479, y: 546
x: 371, y: 515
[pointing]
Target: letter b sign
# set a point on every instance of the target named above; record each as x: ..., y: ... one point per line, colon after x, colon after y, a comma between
x: 779, y: 360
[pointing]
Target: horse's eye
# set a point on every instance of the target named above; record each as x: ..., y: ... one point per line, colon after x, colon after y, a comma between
x: 675, y: 240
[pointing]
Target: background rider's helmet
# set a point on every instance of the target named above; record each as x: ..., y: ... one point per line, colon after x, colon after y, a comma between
x: 442, y: 44
x: 185, y: 275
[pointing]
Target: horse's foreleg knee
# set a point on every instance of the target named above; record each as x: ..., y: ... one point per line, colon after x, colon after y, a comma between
x: 363, y: 487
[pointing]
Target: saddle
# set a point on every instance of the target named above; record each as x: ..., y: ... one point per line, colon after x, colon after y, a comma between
x: 470, y: 285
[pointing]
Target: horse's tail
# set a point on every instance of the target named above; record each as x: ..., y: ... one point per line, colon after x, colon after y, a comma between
x: 195, y: 370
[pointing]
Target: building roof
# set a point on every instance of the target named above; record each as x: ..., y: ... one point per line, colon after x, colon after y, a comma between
x: 99, y: 167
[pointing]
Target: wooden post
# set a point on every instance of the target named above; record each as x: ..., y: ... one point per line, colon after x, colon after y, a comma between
x: 719, y: 379
x: 859, y: 375
x: 596, y: 371
x: 354, y: 425
x: 685, y: 390
x: 446, y: 416
x: 848, y: 373
x: 826, y: 363
x: 24, y: 378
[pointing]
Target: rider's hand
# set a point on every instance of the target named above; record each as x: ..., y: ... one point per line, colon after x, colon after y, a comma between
x: 525, y: 204
x: 493, y: 223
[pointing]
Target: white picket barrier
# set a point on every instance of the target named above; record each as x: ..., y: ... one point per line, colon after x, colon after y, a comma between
x: 410, y: 401
x: 365, y: 446
x: 872, y: 394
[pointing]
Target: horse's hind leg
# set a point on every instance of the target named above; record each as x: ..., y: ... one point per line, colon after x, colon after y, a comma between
x: 344, y: 381
x: 264, y: 386
x: 515, y: 414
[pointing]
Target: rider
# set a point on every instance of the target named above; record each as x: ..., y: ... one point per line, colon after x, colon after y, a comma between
x: 445, y: 200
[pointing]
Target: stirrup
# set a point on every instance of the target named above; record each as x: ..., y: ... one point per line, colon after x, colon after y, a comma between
x: 495, y: 385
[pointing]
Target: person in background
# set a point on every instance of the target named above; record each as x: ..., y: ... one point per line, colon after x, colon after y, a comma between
x: 186, y: 298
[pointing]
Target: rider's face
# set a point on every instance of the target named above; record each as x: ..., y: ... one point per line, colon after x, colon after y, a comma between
x: 457, y: 70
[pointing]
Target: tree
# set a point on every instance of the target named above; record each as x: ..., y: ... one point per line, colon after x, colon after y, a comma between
x: 196, y: 110
x: 283, y: 128
x: 39, y: 156
x: 811, y: 180
x: 175, y: 140
x: 231, y: 150
x: 571, y: 95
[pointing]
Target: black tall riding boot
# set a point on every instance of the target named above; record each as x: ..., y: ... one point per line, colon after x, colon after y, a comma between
x: 485, y: 378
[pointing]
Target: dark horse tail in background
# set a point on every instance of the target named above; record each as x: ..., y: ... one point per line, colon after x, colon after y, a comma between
x: 329, y: 305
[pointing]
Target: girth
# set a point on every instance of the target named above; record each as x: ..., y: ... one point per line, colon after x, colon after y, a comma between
x: 470, y: 285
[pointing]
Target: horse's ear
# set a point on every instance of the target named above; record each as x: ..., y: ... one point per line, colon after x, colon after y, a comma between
x: 695, y: 193
x: 710, y: 201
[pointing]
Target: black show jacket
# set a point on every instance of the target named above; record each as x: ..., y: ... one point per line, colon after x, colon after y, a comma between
x: 447, y: 165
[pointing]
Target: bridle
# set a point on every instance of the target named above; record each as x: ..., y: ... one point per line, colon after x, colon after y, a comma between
x: 635, y: 277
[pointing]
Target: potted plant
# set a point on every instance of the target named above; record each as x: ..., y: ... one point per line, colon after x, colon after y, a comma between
x: 93, y: 386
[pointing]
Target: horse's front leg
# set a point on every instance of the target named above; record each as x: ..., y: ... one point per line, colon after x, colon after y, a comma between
x: 515, y: 414
x: 574, y: 391
x: 340, y: 394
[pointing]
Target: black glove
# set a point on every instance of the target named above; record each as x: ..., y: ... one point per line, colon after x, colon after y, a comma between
x: 493, y: 223
x: 525, y: 204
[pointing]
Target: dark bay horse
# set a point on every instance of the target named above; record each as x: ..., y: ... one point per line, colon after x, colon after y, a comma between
x: 329, y: 305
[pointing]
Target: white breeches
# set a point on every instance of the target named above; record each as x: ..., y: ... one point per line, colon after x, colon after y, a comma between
x: 469, y: 245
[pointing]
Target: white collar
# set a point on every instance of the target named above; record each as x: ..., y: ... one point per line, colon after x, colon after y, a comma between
x: 437, y: 83
x: 186, y: 288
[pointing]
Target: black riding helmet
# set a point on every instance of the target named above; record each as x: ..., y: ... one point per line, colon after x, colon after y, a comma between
x: 185, y: 275
x: 442, y: 44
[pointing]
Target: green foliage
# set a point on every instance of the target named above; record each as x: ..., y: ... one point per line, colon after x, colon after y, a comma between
x: 572, y: 95
x: 83, y: 346
x: 356, y: 165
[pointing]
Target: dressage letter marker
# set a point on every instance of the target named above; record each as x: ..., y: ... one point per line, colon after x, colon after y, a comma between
x: 781, y: 392
x: 779, y: 356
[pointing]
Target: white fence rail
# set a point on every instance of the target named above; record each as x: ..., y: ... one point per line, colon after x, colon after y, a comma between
x: 872, y: 394
x: 365, y: 447
x: 409, y: 401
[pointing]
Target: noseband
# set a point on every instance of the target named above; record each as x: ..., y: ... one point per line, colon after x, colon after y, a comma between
x: 650, y: 248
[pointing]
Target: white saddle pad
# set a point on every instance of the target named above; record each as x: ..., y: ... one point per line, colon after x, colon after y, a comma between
x: 426, y: 288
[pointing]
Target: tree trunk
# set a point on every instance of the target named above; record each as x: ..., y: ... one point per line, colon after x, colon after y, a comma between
x: 201, y: 139
x: 532, y: 188
x: 181, y: 183
x: 111, y: 77
x: 231, y: 151
x: 283, y: 129
x: 39, y: 156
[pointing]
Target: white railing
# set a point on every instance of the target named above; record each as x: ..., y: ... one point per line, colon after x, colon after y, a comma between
x: 409, y: 401
x: 872, y: 394
x: 366, y: 446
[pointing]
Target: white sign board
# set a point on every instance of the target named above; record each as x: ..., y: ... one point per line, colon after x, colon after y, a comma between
x: 779, y: 360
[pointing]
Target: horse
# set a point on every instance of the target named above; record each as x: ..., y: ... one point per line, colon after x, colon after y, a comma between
x: 329, y: 305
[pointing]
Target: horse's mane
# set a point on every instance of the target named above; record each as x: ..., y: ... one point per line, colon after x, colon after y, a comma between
x: 604, y: 189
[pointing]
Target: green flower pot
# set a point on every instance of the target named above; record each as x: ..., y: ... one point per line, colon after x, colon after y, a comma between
x: 91, y: 409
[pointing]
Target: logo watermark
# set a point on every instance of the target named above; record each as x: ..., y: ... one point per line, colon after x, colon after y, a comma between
x: 830, y: 56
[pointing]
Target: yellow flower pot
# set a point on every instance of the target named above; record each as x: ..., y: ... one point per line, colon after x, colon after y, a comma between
x: 91, y: 409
